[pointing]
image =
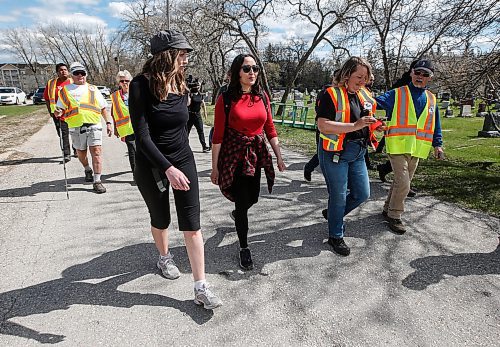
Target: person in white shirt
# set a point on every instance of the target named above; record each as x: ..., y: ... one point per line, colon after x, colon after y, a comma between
x: 82, y: 105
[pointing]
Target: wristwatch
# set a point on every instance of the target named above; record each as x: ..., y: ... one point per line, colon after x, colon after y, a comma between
x: 108, y: 123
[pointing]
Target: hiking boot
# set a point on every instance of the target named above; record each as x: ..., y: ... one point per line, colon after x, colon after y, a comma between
x: 339, y: 246
x: 396, y: 225
x: 307, y: 174
x: 232, y: 215
x: 246, y: 262
x: 89, y: 175
x: 206, y: 297
x: 99, y: 188
x: 411, y: 193
x: 325, y: 213
x: 384, y: 214
x: 168, y: 268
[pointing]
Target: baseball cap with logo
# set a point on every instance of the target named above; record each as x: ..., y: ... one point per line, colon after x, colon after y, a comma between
x: 168, y: 39
x: 76, y: 66
x: 424, y: 64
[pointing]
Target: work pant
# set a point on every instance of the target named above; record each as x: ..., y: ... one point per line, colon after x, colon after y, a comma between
x: 404, y: 166
x: 195, y: 119
x: 62, y: 127
x: 130, y: 141
x: 314, y: 161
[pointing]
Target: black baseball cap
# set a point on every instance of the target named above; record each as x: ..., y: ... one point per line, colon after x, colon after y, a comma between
x: 424, y: 64
x: 168, y: 39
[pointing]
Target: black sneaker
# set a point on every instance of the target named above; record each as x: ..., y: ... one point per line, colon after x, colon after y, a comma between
x: 99, y: 188
x: 89, y: 175
x: 396, y: 225
x: 384, y: 214
x: 246, y: 262
x: 307, y: 175
x: 339, y: 246
x: 325, y: 213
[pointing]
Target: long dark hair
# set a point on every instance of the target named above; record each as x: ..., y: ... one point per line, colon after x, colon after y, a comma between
x: 164, y: 72
x: 234, y: 89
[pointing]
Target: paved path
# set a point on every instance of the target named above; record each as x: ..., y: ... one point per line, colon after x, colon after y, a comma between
x: 81, y: 272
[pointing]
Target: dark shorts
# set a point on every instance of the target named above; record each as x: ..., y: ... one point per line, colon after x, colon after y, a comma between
x: 187, y: 203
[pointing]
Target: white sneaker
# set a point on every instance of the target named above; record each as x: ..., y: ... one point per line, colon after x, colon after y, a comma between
x: 168, y: 267
x: 206, y: 297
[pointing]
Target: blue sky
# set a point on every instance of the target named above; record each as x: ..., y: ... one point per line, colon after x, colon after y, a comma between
x: 17, y: 13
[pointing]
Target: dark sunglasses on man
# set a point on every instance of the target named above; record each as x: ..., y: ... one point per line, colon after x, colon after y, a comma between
x: 79, y: 73
x: 124, y: 81
x: 421, y: 73
x: 247, y: 68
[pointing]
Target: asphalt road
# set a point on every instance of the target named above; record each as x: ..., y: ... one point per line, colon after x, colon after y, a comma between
x: 81, y: 272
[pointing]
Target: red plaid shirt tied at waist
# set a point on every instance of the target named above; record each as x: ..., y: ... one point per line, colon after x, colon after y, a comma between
x: 251, y: 151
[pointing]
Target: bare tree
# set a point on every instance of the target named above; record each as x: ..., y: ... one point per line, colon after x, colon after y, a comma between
x: 23, y: 43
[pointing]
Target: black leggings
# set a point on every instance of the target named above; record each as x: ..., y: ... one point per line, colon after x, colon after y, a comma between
x: 187, y: 203
x: 195, y: 119
x: 245, y: 190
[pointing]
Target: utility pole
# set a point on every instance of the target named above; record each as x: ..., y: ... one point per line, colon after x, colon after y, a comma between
x: 168, y: 15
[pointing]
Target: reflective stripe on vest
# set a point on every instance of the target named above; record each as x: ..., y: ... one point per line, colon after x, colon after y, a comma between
x: 369, y: 103
x: 121, y: 115
x: 334, y: 142
x: 85, y: 111
x: 406, y: 134
x: 51, y: 91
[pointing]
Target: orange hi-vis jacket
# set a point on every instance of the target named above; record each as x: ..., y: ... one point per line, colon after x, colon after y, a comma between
x: 121, y: 115
x: 85, y: 111
x: 52, y: 92
x: 334, y: 142
x: 405, y: 133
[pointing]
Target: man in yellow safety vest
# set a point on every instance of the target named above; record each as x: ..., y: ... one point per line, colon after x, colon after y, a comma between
x: 50, y: 94
x: 413, y: 128
x: 82, y: 105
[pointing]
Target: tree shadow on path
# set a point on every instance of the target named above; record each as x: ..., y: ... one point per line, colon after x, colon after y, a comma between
x: 431, y: 270
x: 113, y: 268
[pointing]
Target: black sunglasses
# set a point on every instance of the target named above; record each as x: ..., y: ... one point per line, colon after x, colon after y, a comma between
x: 124, y: 81
x: 247, y: 68
x: 79, y: 73
x: 424, y: 74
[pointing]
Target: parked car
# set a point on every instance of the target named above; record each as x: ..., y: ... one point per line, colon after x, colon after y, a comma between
x: 104, y: 91
x: 38, y: 96
x: 12, y: 96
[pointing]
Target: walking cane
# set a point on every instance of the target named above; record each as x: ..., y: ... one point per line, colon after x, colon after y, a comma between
x: 63, y: 159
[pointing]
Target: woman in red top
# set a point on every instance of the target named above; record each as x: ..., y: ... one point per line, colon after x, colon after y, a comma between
x: 239, y: 151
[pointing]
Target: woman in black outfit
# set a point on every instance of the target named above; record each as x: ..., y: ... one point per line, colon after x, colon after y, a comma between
x: 159, y: 113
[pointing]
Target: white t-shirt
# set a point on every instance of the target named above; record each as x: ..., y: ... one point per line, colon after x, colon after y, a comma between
x: 77, y: 91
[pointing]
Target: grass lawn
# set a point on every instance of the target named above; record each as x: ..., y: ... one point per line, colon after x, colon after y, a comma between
x: 470, y: 175
x: 14, y: 110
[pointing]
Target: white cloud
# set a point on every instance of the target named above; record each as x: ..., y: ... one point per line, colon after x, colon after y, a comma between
x: 82, y: 19
x: 8, y: 19
x: 63, y: 3
x: 117, y: 8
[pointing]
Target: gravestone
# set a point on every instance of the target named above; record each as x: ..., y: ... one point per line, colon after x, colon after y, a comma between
x: 481, y: 110
x: 449, y: 113
x: 491, y: 126
x: 445, y: 104
x: 466, y: 111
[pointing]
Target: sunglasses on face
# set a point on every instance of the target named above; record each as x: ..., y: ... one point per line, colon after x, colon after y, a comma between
x: 247, y: 68
x: 124, y: 81
x: 421, y: 73
x: 79, y: 73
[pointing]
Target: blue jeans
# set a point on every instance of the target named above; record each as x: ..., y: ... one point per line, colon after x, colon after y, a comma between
x: 349, y: 173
